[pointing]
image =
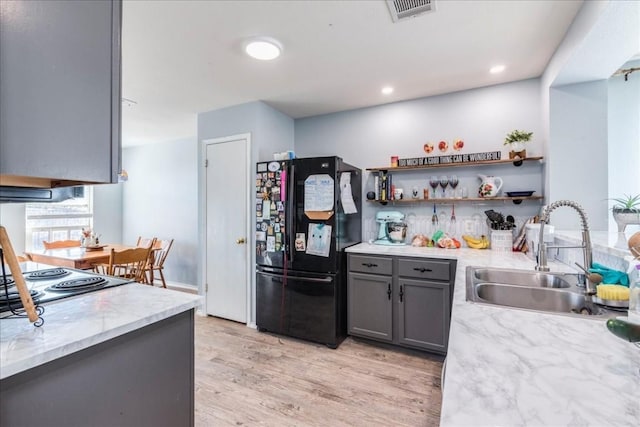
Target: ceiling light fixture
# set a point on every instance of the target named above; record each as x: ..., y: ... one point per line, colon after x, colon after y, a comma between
x: 263, y: 48
x: 387, y: 90
x: 497, y: 69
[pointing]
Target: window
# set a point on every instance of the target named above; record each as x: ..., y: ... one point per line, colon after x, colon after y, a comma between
x: 58, y: 221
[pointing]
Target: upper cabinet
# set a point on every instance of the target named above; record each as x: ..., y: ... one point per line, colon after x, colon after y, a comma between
x: 60, y: 86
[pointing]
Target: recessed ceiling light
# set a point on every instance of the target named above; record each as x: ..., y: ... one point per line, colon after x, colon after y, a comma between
x: 263, y: 48
x: 387, y: 90
x: 497, y: 69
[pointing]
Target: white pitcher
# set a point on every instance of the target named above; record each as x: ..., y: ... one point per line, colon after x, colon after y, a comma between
x: 490, y: 186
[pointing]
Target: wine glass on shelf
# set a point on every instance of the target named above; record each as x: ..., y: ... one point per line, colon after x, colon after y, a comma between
x: 434, y: 182
x: 453, y: 182
x: 444, y: 181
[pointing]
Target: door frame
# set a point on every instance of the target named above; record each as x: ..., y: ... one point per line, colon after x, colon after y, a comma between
x: 249, y: 226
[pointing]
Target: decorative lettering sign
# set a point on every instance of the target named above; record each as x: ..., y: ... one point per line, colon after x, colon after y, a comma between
x: 451, y: 159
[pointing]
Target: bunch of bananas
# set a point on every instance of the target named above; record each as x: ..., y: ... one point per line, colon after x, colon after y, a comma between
x: 475, y: 242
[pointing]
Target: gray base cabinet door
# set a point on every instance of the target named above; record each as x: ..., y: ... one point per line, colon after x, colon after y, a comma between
x: 370, y: 307
x: 423, y: 314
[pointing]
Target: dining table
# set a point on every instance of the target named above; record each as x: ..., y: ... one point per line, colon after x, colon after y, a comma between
x: 77, y: 257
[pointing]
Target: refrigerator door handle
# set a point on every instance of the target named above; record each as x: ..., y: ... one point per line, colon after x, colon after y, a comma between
x: 291, y: 210
x: 298, y: 278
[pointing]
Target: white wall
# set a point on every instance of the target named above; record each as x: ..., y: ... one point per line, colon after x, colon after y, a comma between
x: 624, y: 137
x: 12, y: 218
x: 160, y: 200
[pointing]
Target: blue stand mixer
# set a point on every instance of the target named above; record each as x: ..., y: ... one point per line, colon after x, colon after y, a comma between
x: 392, y: 230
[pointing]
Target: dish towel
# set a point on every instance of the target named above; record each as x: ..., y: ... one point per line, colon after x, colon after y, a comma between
x: 610, y: 276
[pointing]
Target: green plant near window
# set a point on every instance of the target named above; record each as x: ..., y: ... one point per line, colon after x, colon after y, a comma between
x: 627, y: 203
x: 517, y: 136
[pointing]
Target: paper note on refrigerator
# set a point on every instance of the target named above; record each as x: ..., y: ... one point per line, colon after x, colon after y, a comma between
x: 346, y: 194
x: 318, y: 193
x: 319, y: 241
x: 266, y: 209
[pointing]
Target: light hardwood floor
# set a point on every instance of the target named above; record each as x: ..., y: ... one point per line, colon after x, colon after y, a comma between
x: 245, y: 377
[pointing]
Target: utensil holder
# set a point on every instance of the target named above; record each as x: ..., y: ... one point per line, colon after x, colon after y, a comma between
x: 501, y: 240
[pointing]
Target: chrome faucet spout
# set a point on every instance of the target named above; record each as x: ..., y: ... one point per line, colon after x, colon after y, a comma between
x: 586, y: 239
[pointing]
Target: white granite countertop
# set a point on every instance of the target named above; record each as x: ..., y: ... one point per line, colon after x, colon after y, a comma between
x: 511, y: 367
x: 77, y: 323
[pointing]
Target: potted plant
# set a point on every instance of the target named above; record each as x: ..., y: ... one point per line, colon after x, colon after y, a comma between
x: 515, y: 140
x: 626, y: 211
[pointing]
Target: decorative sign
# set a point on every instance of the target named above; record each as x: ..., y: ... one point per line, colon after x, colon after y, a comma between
x: 451, y: 159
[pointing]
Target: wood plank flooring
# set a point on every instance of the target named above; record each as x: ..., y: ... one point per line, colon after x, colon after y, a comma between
x: 245, y: 377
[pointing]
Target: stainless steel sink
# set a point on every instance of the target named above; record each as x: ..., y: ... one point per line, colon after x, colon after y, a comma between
x: 531, y: 290
x: 520, y: 278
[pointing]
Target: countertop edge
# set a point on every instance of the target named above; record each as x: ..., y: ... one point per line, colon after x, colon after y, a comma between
x: 28, y: 346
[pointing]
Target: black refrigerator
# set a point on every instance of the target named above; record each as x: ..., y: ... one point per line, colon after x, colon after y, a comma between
x: 308, y: 211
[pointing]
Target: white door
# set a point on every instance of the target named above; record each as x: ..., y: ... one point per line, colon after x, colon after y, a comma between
x: 226, y: 228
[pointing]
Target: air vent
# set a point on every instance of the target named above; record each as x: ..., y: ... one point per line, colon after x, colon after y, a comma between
x: 405, y: 9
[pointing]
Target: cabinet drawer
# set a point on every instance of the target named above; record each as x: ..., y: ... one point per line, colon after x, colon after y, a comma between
x: 424, y: 269
x: 370, y: 264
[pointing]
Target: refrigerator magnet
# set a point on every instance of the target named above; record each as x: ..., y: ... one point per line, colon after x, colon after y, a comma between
x: 271, y: 244
x: 276, y: 228
x: 261, y: 236
x: 278, y: 237
x: 300, y: 242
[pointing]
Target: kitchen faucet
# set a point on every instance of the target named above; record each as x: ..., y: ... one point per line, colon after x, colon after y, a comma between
x: 590, y: 288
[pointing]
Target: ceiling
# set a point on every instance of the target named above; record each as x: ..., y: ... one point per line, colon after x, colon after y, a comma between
x: 181, y: 58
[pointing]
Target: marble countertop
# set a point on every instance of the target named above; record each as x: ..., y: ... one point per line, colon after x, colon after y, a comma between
x: 517, y: 367
x: 77, y: 323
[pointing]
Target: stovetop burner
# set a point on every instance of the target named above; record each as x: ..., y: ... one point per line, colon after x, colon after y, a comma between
x: 13, y: 296
x: 52, y: 273
x: 79, y: 284
x: 8, y: 281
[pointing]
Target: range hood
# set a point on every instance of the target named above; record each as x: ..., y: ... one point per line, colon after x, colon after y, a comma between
x: 10, y: 194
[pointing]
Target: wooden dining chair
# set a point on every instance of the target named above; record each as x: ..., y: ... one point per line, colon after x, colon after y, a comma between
x: 128, y: 264
x: 145, y: 242
x: 158, y: 254
x: 58, y: 244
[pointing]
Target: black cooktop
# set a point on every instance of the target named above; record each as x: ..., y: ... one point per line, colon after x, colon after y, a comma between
x: 53, y: 284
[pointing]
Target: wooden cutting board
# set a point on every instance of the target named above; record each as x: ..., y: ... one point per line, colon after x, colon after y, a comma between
x: 12, y: 261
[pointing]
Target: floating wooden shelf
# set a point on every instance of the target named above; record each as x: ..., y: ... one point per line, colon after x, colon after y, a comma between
x: 515, y: 200
x: 516, y: 162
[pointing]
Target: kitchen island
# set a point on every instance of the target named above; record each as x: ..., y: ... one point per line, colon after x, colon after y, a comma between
x: 511, y: 367
x: 120, y: 356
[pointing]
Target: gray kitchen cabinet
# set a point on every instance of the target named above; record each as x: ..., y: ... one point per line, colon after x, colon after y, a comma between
x: 369, y: 295
x: 142, y: 378
x: 423, y: 314
x: 370, y: 307
x: 401, y: 300
x: 60, y: 72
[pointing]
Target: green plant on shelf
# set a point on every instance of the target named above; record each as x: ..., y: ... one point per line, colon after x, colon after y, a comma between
x: 517, y: 136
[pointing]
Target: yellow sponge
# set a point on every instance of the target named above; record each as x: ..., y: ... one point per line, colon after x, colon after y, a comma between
x: 613, y: 292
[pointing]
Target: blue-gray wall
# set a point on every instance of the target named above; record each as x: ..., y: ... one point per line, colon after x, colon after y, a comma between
x: 578, y: 152
x: 108, y: 212
x: 271, y: 131
x: 480, y: 117
x: 160, y: 200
